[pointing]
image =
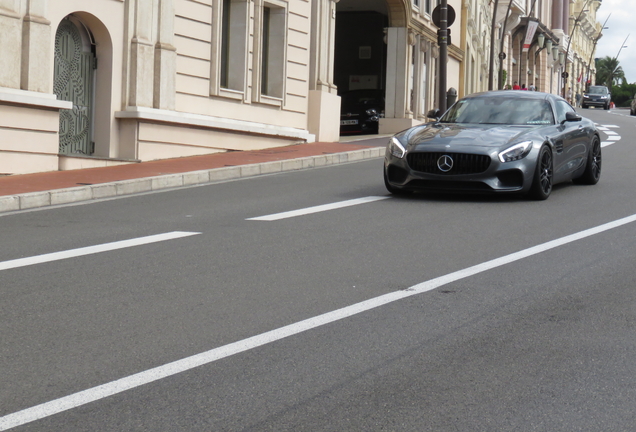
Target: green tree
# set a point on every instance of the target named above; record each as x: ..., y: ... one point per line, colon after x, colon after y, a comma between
x: 622, y: 95
x: 609, y: 72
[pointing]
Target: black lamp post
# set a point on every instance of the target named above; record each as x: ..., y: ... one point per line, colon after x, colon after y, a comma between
x: 443, y: 53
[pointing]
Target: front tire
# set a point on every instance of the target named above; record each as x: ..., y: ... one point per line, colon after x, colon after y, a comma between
x: 543, y: 175
x: 592, y: 172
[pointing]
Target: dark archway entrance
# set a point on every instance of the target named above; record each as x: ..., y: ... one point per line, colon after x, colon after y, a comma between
x: 360, y: 63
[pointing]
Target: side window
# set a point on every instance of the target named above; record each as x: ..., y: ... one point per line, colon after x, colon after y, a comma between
x: 562, y: 108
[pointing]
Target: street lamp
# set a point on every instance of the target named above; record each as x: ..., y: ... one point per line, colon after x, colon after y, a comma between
x: 589, y: 63
x: 611, y: 82
x: 621, y: 48
x: 548, y: 46
x: 567, y: 51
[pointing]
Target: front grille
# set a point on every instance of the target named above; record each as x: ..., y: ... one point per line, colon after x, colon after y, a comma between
x: 463, y: 163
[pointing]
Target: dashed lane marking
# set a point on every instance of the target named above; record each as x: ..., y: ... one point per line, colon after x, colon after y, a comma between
x: 318, y: 209
x: 612, y: 137
x: 89, y: 250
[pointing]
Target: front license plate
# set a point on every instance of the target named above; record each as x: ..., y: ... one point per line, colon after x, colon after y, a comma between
x: 348, y: 122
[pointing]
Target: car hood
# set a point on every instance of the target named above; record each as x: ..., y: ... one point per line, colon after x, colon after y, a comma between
x: 460, y: 137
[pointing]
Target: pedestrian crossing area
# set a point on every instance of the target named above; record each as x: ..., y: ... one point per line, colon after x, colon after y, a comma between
x: 609, y: 131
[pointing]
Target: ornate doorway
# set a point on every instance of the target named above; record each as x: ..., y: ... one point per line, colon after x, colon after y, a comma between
x: 73, y: 81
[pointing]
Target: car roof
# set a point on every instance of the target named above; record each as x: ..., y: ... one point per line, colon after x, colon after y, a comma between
x: 521, y: 94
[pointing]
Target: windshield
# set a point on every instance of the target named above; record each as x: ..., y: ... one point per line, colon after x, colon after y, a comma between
x: 602, y: 90
x: 500, y: 110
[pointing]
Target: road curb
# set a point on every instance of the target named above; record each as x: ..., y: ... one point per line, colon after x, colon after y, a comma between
x: 33, y: 200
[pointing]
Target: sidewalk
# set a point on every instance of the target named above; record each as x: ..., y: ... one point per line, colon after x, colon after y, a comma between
x: 26, y: 191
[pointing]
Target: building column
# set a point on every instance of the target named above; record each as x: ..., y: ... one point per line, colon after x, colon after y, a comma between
x: 141, y: 89
x: 36, y: 42
x: 323, y: 118
x: 165, y: 59
x: 419, y: 85
x: 397, y: 115
x: 10, y: 43
x: 566, y: 17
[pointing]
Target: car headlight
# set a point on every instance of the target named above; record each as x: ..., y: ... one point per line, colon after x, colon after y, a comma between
x: 603, y: 97
x: 516, y: 152
x: 371, y: 112
x: 396, y: 148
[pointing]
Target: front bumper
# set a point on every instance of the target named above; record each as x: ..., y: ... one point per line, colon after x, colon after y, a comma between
x: 594, y: 102
x: 498, y: 177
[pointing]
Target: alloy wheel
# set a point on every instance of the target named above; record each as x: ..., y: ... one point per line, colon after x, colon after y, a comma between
x: 546, y: 171
x: 596, y: 159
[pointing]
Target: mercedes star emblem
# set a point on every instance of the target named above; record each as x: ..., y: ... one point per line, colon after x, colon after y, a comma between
x: 445, y: 163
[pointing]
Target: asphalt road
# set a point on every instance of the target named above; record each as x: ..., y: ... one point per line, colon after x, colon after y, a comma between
x: 542, y: 342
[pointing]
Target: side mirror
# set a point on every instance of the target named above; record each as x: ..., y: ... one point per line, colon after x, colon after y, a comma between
x: 571, y: 116
x: 434, y: 113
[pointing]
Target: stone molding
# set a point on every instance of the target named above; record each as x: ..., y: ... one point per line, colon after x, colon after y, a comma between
x: 34, y: 99
x: 203, y: 121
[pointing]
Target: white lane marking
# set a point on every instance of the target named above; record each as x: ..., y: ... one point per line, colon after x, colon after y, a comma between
x: 612, y: 137
x: 320, y: 208
x: 114, y: 387
x: 89, y: 250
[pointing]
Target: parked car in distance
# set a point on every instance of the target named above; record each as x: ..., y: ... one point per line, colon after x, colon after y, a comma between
x: 496, y: 142
x: 596, y: 96
x: 632, y: 107
x: 360, y: 111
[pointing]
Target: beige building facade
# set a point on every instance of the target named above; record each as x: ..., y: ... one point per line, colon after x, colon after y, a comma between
x: 103, y: 82
x: 106, y: 82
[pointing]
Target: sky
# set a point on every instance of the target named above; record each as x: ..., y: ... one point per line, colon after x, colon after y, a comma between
x: 621, y: 23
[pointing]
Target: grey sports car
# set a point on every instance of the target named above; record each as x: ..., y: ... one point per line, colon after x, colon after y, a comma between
x: 501, y: 142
